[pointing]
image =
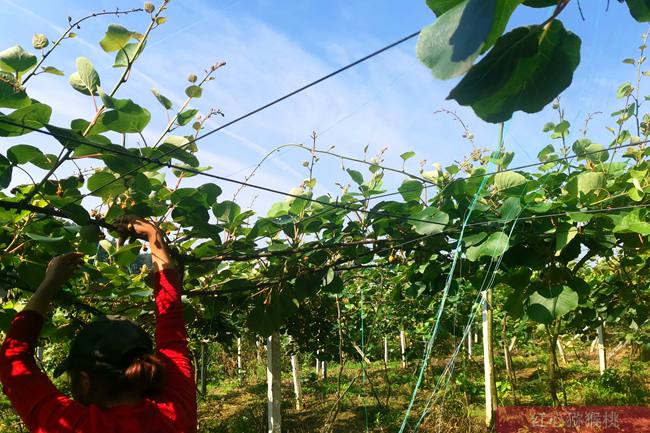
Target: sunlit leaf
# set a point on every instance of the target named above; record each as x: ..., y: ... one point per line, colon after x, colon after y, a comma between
x: 494, y: 246
x: 86, y: 79
x: 186, y: 116
x: 17, y: 60
x: 527, y: 68
x: 54, y: 71
x: 116, y: 38
x: 432, y: 221
x: 194, y: 91
x: 12, y: 94
x: 127, y: 55
x: 23, y: 153
x: 32, y: 116
x: 411, y: 190
x: 544, y: 310
x: 164, y: 101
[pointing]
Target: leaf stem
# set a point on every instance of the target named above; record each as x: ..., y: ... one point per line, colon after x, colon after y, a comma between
x: 65, y: 35
x: 62, y: 158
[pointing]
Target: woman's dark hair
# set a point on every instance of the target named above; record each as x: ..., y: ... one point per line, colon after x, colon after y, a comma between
x: 144, y: 376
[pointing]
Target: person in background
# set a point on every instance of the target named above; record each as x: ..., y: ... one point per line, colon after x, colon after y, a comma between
x: 119, y: 383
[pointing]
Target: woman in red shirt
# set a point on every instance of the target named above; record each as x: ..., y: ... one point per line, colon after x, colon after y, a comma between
x: 119, y: 383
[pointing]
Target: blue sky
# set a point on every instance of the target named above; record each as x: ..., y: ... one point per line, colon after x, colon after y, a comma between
x: 273, y: 47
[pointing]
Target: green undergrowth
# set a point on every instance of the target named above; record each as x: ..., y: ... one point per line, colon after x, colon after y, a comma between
x: 238, y: 404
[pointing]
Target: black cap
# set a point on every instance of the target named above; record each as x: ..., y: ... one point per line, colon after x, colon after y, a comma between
x: 107, y: 345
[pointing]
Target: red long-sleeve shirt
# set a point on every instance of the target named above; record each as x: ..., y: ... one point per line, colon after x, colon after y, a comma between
x: 46, y: 410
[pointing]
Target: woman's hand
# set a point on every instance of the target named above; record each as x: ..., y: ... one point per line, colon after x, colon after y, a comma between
x: 133, y: 226
x: 58, y: 272
x: 61, y: 268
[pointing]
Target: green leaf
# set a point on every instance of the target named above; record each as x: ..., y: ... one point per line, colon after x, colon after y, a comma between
x: 510, y: 209
x: 544, y: 310
x: 23, y: 153
x: 278, y: 246
x: 474, y: 239
x: 54, y: 71
x: 90, y: 233
x: 540, y: 3
x: 450, y: 45
x: 509, y: 181
x: 33, y: 116
x: 407, y: 155
x: 631, y: 223
x: 640, y: 9
x: 211, y: 191
x: 86, y: 79
x: 46, y: 162
x: 6, y: 169
x: 12, y: 94
x: 563, y: 235
x: 127, y: 254
x: 494, y: 246
x: 527, y: 68
x: 103, y: 184
x: 116, y: 38
x: 411, y: 190
x: 127, y: 55
x: 586, y: 182
x: 141, y: 184
x: 82, y: 125
x: 355, y: 175
x: 439, y: 7
x: 164, y: 101
x: 186, y: 116
x: 77, y: 213
x: 17, y: 60
x: 433, y: 221
x: 44, y: 239
x: 624, y: 90
x: 126, y: 116
x: 194, y: 91
x: 174, y: 147
x: 226, y: 211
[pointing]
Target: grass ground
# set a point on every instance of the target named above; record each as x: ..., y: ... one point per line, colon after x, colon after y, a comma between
x: 239, y: 406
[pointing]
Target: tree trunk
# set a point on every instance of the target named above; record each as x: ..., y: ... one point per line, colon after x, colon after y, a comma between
x: 323, y: 370
x: 560, y: 349
x: 297, y: 386
x: 386, y: 350
x: 469, y: 345
x: 508, y: 358
x: 552, y: 364
x: 488, y: 361
x: 512, y: 344
x: 402, y: 343
x: 258, y: 353
x: 274, y: 391
x: 204, y: 369
x: 317, y: 362
x: 602, y: 356
x: 239, y: 369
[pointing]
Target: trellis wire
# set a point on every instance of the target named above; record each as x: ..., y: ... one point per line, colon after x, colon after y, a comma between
x: 429, y: 347
x: 286, y: 194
